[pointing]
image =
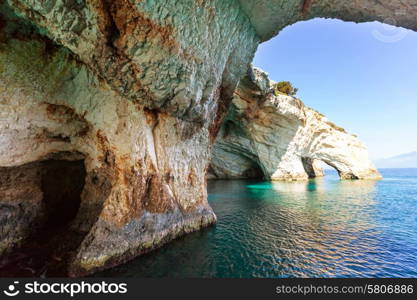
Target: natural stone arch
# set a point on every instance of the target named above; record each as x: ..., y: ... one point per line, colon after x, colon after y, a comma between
x: 232, y: 155
x: 312, y: 167
x: 271, y: 16
x: 55, y: 108
x: 159, y: 78
x: 285, y: 137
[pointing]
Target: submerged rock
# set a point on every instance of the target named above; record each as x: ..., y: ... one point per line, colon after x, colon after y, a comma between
x: 282, y: 139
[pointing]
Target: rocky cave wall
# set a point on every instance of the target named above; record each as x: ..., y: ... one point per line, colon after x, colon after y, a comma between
x: 281, y: 137
x: 135, y: 94
x: 136, y: 90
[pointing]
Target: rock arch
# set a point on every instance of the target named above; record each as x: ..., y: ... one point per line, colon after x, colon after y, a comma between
x: 312, y: 167
x: 270, y: 16
x: 140, y: 89
x: 232, y: 156
x: 54, y: 108
x: 285, y: 137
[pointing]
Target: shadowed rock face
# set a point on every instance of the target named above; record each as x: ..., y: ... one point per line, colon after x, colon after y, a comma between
x: 136, y: 90
x: 270, y: 16
x: 312, y: 167
x: 284, y: 138
x: 145, y: 167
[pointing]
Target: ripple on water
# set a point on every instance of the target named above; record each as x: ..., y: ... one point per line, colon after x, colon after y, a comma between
x: 321, y: 228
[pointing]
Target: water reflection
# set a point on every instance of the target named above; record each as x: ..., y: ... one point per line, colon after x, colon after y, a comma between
x: 318, y: 228
x: 313, y: 226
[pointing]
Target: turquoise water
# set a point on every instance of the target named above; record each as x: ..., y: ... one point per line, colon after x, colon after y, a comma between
x: 321, y: 228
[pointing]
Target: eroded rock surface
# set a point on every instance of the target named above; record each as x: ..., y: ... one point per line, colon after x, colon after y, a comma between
x: 280, y: 136
x: 270, y: 16
x: 137, y: 104
x: 135, y: 91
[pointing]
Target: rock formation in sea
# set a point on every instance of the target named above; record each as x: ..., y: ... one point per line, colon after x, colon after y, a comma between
x: 277, y: 137
x: 109, y: 109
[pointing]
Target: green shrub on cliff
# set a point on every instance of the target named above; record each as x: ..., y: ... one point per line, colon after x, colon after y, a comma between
x: 285, y: 87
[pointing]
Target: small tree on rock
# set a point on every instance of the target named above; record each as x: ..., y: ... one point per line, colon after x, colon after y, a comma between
x: 285, y: 87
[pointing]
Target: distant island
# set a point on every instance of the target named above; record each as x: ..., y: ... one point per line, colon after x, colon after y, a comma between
x: 408, y: 160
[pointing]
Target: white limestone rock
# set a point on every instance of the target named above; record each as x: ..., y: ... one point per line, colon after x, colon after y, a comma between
x: 282, y: 137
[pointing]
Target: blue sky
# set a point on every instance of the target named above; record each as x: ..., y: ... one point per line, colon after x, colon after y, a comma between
x: 363, y: 77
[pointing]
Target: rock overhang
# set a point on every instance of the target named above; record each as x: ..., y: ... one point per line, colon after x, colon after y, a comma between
x: 270, y: 16
x: 152, y: 81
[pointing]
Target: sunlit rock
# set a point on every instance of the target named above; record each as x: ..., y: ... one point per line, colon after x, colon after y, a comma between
x: 135, y: 92
x: 281, y: 138
x: 130, y: 90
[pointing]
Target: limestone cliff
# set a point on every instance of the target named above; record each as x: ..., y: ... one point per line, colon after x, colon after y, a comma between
x: 133, y: 98
x: 113, y: 106
x: 282, y: 139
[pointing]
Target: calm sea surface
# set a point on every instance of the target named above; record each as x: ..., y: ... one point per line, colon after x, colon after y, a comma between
x: 321, y: 228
